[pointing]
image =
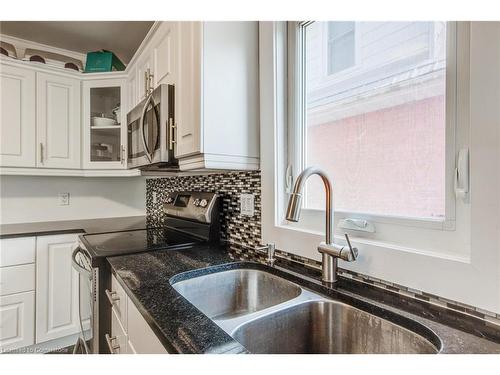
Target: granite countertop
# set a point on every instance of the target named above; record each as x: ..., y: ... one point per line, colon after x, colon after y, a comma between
x: 71, y: 226
x: 182, y: 328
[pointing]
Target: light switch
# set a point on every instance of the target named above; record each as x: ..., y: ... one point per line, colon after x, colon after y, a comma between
x: 63, y: 199
x: 247, y: 204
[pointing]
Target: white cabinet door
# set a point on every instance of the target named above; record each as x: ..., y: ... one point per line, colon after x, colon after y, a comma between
x: 17, y: 321
x: 56, y: 288
x: 163, y: 49
x: 132, y: 89
x: 104, y: 147
x: 144, y: 69
x: 17, y: 117
x: 15, y: 251
x: 58, y: 121
x: 188, y: 90
x: 142, y: 339
x: 17, y: 279
x: 119, y: 302
x: 118, y: 339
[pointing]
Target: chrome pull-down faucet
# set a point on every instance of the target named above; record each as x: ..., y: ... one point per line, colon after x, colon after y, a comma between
x: 329, y: 250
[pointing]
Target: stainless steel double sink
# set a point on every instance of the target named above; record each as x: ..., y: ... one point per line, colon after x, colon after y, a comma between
x: 269, y: 314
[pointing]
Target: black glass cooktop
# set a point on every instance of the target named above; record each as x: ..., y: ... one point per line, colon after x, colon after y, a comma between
x: 134, y: 241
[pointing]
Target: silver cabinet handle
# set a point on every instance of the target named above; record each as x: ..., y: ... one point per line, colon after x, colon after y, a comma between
x: 41, y: 152
x: 122, y: 154
x: 109, y: 340
x: 112, y: 297
x: 150, y: 81
x: 171, y: 127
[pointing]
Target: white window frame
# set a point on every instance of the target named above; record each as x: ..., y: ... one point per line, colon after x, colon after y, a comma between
x: 297, y: 135
x: 461, y: 264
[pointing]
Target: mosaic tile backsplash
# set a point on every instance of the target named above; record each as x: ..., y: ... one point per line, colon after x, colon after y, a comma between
x: 244, y: 230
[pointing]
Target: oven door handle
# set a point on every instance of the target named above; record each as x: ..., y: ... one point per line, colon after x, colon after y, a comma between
x: 149, y: 100
x: 76, y: 264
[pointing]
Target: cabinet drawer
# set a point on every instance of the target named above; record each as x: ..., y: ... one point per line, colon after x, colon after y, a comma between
x: 117, y: 342
x: 141, y: 336
x: 14, y: 251
x: 118, y: 299
x: 17, y: 321
x: 17, y: 279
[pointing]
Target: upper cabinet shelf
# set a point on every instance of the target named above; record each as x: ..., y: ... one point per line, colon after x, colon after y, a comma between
x: 104, y: 124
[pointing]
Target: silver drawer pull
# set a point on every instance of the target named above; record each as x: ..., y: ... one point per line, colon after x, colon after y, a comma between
x: 112, y: 297
x: 109, y: 340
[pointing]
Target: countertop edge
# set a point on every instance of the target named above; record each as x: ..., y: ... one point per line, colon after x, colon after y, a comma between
x: 86, y: 226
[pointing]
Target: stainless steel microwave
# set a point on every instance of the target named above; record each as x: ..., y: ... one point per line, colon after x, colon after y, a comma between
x: 150, y: 131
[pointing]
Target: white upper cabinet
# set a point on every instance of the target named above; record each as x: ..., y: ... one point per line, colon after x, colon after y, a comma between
x: 104, y: 124
x: 48, y: 117
x: 217, y: 113
x: 42, y: 111
x: 144, y: 75
x: 155, y: 64
x: 58, y: 121
x: 17, y: 117
x: 188, y: 99
x: 132, y: 89
x: 163, y: 46
x: 214, y: 67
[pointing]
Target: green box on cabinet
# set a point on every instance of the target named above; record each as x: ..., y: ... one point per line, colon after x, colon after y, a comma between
x: 103, y: 61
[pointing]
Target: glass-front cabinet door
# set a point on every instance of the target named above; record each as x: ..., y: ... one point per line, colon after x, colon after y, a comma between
x: 104, y: 124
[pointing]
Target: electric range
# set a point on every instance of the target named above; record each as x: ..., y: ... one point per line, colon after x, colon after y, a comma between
x: 190, y: 218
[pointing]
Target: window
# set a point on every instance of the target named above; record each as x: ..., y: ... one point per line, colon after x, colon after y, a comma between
x: 379, y: 131
x: 463, y: 242
x: 340, y: 46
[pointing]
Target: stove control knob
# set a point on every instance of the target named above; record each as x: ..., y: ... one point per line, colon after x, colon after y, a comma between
x: 196, y: 202
x: 203, y: 203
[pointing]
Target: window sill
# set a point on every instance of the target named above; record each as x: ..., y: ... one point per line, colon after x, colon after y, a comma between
x: 374, y: 245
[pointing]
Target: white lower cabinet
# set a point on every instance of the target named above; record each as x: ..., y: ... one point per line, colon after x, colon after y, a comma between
x: 17, y: 321
x: 17, y: 293
x: 140, y: 335
x: 56, y: 288
x: 17, y: 279
x: 39, y: 291
x: 130, y: 333
x: 117, y: 342
x: 130, y: 348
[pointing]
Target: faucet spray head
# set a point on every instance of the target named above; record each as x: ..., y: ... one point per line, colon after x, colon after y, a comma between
x: 294, y: 206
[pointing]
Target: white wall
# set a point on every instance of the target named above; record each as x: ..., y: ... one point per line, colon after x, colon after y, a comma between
x: 30, y: 199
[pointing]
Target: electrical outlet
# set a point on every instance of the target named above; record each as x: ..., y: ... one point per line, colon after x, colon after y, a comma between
x: 155, y: 198
x: 247, y: 204
x: 63, y: 199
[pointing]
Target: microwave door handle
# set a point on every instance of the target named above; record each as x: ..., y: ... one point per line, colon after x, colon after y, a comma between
x: 158, y: 131
x: 141, y: 125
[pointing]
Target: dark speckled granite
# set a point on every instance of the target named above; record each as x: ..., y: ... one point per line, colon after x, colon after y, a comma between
x: 182, y: 328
